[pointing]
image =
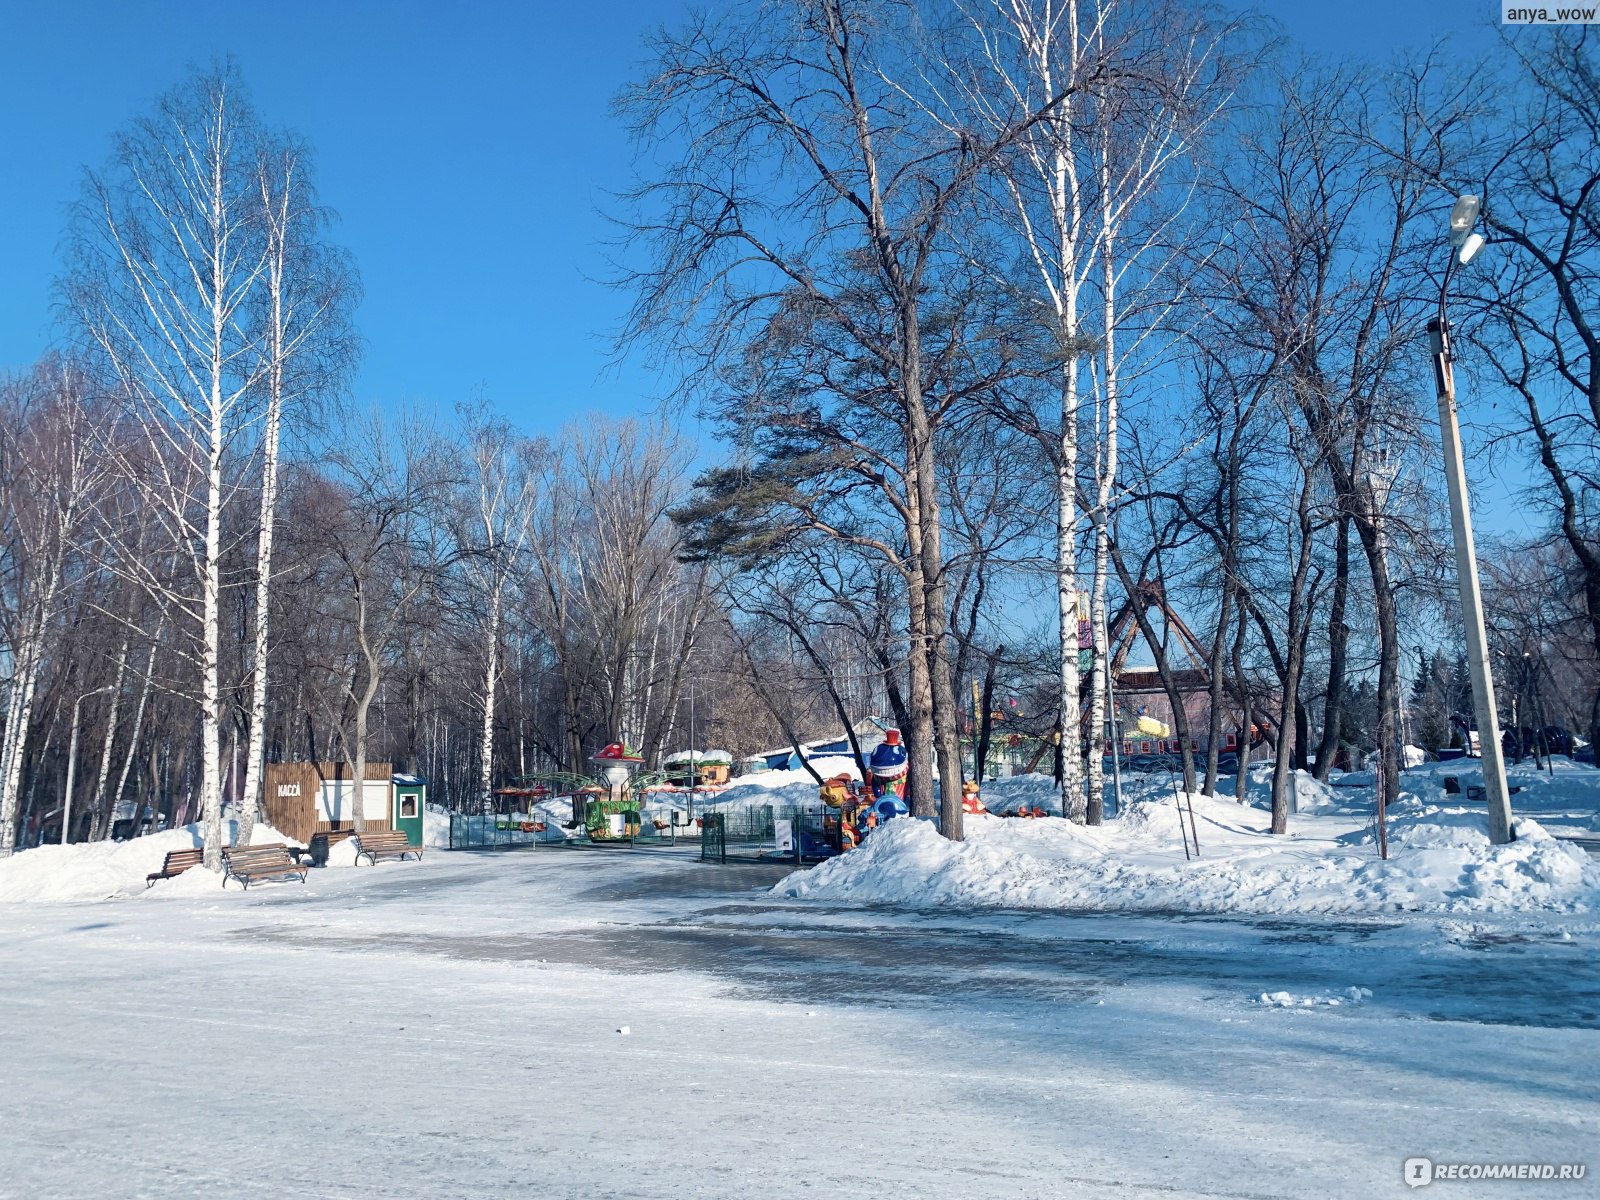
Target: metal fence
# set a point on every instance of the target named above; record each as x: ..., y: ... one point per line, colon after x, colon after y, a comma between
x: 472, y: 831
x: 769, y: 833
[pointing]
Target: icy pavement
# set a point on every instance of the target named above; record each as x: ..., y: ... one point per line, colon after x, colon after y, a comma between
x: 450, y: 1028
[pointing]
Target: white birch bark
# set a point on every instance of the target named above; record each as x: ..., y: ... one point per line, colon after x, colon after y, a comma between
x: 501, y: 520
x: 249, y: 797
x: 1054, y: 47
x: 25, y: 680
x: 211, y: 591
x: 491, y: 682
x: 169, y: 256
x: 304, y: 317
x: 1105, y: 485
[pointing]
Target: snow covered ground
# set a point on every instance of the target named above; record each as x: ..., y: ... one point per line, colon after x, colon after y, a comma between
x: 117, y: 870
x: 451, y: 1028
x: 455, y: 1027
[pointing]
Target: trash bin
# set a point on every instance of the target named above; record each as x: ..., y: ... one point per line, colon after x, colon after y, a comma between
x: 319, y: 849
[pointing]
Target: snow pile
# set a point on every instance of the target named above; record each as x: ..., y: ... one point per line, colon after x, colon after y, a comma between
x: 1440, y: 861
x: 710, y: 757
x: 435, y: 829
x: 783, y: 791
x: 342, y: 853
x: 1021, y: 791
x: 110, y: 870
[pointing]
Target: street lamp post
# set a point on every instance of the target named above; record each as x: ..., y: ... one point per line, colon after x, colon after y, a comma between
x: 72, y: 762
x: 1465, y: 243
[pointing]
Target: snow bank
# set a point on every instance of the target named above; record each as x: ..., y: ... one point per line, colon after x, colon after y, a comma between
x: 1440, y: 861
x: 435, y: 829
x: 800, y: 792
x: 1021, y: 791
x: 110, y: 870
x: 795, y: 786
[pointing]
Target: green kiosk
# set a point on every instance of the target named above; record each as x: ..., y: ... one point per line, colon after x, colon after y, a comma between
x: 410, y: 802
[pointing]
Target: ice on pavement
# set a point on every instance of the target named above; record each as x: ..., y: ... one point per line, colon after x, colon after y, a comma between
x: 1350, y: 995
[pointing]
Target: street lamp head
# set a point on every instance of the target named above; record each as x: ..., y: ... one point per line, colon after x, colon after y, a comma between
x: 1462, y: 218
x: 1470, y: 247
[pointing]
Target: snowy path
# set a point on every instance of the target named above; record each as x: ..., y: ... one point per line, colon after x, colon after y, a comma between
x: 450, y: 1029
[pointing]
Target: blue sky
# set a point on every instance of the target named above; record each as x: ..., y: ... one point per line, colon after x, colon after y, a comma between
x: 468, y: 148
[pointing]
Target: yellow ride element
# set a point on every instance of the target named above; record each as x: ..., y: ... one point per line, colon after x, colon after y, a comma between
x: 1150, y: 727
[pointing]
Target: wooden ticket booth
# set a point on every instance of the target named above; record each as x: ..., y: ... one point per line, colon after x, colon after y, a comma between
x: 303, y: 798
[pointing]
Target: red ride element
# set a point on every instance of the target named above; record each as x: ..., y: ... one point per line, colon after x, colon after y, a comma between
x: 616, y: 752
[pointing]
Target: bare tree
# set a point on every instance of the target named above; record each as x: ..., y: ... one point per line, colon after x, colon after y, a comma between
x: 308, y: 288
x: 386, y: 536
x: 51, y: 477
x: 1531, y: 148
x: 808, y: 219
x: 168, y: 251
x: 494, y: 523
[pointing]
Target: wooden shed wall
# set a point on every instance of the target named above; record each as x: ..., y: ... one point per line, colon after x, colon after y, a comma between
x: 290, y: 793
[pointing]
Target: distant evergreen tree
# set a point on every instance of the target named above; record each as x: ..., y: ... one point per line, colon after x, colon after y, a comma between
x: 1430, y: 715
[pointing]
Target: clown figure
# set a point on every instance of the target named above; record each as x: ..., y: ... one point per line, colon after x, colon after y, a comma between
x: 886, y: 768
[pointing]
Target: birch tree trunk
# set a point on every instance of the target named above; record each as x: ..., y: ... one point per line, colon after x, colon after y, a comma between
x: 169, y: 254
x: 211, y: 595
x: 491, y: 681
x: 494, y: 535
x: 1105, y: 485
x: 1055, y: 56
x: 249, y: 798
x: 305, y: 320
x: 25, y: 680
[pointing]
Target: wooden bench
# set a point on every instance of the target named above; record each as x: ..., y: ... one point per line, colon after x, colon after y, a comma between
x: 250, y: 863
x: 176, y: 863
x: 387, y: 843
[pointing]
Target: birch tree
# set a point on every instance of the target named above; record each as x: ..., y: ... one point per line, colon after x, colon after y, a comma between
x: 1098, y: 192
x: 1032, y: 48
x: 496, y: 517
x: 303, y: 314
x: 168, y: 249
